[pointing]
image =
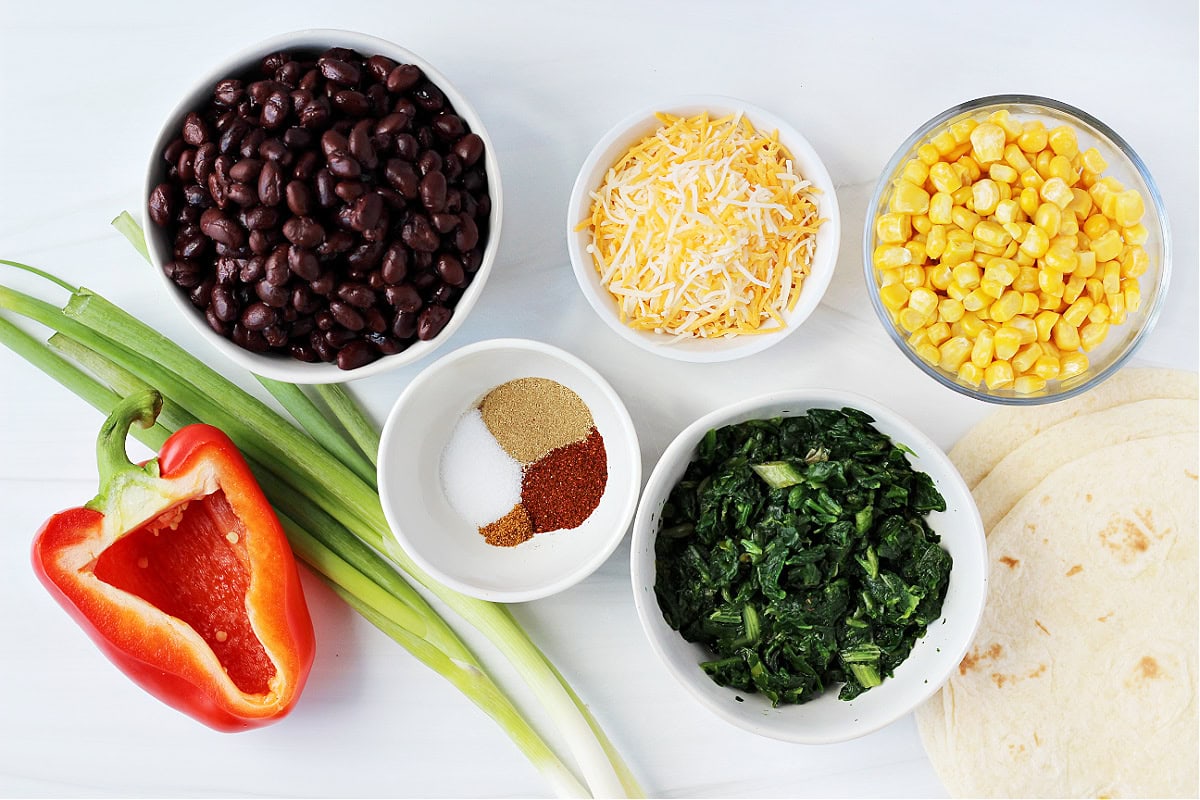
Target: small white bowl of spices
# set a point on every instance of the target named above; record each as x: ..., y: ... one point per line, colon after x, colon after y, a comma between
x: 509, y: 470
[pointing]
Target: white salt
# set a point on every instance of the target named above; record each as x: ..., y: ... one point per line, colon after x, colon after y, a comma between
x: 481, y: 481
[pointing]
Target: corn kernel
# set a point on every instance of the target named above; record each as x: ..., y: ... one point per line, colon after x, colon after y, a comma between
x: 954, y: 352
x: 893, y: 228
x: 921, y: 223
x: 894, y: 296
x: 966, y: 275
x: 1007, y: 211
x: 1026, y: 280
x: 1132, y: 294
x: 1029, y: 200
x: 1094, y: 289
x: 977, y: 299
x: 939, y: 208
x: 944, y: 142
x: 923, y: 301
x: 890, y: 256
x: 911, y: 319
x: 1060, y: 167
x: 1116, y: 304
x: 928, y: 353
x: 1036, y: 242
x: 915, y: 171
x: 1029, y: 384
x: 889, y: 276
x: 938, y: 276
x: 956, y: 292
x: 1033, y: 137
x: 1093, y: 161
x: 950, y: 310
x: 1069, y: 225
x: 1055, y: 190
x: 1129, y: 209
x: 1025, y: 326
x: 991, y: 287
x: 1049, y: 349
x: 1050, y: 302
x: 918, y: 337
x: 1010, y: 124
x: 1029, y: 303
x: 1134, y: 262
x: 1074, y: 288
x: 972, y: 325
x: 970, y: 374
x: 917, y: 248
x: 1096, y: 226
x: 998, y: 374
x: 938, y: 332
x: 961, y: 130
x: 1081, y: 203
x: 1015, y: 158
x: 1006, y: 342
x: 1004, y: 270
x: 964, y: 218
x: 1091, y: 334
x: 1002, y: 173
x: 983, y: 349
x: 1047, y: 367
x: 1041, y: 163
x: 1026, y: 357
x: 912, y: 276
x: 987, y: 142
x: 908, y: 198
x: 1065, y: 335
x: 1048, y: 217
x: 1061, y: 257
x: 935, y: 242
x: 928, y: 155
x: 1108, y: 246
x: 1100, y: 313
x: 1031, y: 179
x: 1136, y: 234
x: 1045, y: 324
x: 1088, y: 179
x: 1072, y: 364
x: 1007, y: 307
x: 967, y: 168
x: 986, y: 195
x: 992, y: 234
x: 1062, y: 141
x: 1078, y: 311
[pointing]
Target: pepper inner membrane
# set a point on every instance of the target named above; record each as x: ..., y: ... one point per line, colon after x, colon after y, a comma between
x: 191, y: 562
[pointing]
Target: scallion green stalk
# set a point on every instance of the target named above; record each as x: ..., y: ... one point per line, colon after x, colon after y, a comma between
x: 350, y: 414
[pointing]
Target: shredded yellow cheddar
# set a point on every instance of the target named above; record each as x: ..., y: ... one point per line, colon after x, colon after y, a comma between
x: 704, y: 229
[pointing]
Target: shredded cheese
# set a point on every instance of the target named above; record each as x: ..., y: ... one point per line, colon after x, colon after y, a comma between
x: 704, y: 229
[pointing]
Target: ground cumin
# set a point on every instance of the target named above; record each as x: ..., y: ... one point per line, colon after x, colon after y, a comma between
x: 532, y: 416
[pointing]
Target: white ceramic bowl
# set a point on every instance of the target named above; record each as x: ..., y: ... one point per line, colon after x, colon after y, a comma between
x: 825, y: 719
x: 634, y: 128
x: 447, y: 546
x: 282, y: 367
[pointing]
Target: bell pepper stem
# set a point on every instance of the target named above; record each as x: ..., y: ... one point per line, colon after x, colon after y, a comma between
x: 112, y: 459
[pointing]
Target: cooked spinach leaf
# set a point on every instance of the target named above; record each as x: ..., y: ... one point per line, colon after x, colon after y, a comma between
x: 796, y: 550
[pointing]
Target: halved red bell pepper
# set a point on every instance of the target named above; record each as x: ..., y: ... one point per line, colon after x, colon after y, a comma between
x: 180, y: 572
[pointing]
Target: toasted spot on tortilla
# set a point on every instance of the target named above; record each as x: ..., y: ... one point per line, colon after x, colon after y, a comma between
x: 1191, y: 474
x: 1009, y: 561
x: 1123, y: 536
x: 1075, y: 570
x: 1147, y: 669
x: 971, y: 660
x: 1105, y: 618
x: 1038, y: 622
x: 1089, y: 497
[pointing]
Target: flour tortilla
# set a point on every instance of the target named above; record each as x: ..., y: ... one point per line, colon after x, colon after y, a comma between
x: 983, y: 447
x: 1082, y: 678
x: 1031, y: 461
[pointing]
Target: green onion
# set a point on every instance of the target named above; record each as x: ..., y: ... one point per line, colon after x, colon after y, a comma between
x: 305, y: 479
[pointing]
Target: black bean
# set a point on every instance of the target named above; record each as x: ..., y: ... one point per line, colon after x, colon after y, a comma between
x: 472, y: 260
x: 246, y: 170
x: 395, y: 264
x: 343, y: 165
x: 219, y: 327
x: 202, y: 166
x: 324, y: 321
x: 433, y: 191
x: 407, y: 147
x: 366, y: 211
x: 469, y: 148
x: 346, y: 315
x: 351, y: 102
x: 272, y: 295
x: 251, y: 142
x: 302, y: 352
x: 360, y: 144
x: 333, y: 142
x: 304, y: 301
x: 449, y: 125
x: 380, y: 67
x: 303, y: 231
x: 418, y: 234
x: 228, y: 92
x: 315, y: 115
x: 195, y: 132
x: 162, y: 204
x: 402, y: 176
x: 444, y: 222
x: 403, y: 297
x: 231, y: 137
x: 356, y: 354
x: 303, y: 263
x: 451, y: 270
x: 325, y: 186
x: 364, y: 257
x: 392, y: 124
x: 276, y: 270
x: 356, y: 294
x: 403, y: 78
x: 429, y: 161
x: 241, y: 194
x: 339, y: 71
x: 335, y: 243
x: 404, y: 324
x: 428, y: 97
x: 349, y: 190
x: 467, y: 235
x: 297, y: 138
x: 173, y: 149
x: 339, y: 337
x: 252, y: 270
x: 431, y: 321
x: 220, y: 228
x: 261, y: 218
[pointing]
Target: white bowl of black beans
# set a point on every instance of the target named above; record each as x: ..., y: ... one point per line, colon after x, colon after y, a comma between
x: 323, y: 206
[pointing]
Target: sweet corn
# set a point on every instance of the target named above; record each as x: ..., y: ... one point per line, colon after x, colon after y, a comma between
x: 1072, y: 364
x: 912, y: 276
x: 1093, y: 161
x: 950, y: 310
x: 928, y: 154
x: 944, y: 142
x: 1135, y: 235
x: 1030, y: 303
x: 1091, y: 334
x: 1116, y: 304
x: 1062, y: 141
x: 894, y: 296
x: 991, y: 287
x: 1060, y: 167
x: 986, y: 194
x: 1028, y: 384
x: 1045, y: 324
x: 972, y: 325
x: 968, y: 169
x: 1048, y: 217
x: 908, y: 198
x: 954, y: 352
x: 1132, y: 294
x: 1015, y: 158
x: 977, y: 299
x: 1007, y: 211
x: 1006, y: 342
x: 1111, y: 276
x: 984, y: 348
x: 964, y: 218
x: 910, y: 319
x: 890, y: 256
x: 1055, y: 190
x: 1027, y: 356
x: 1010, y: 124
x: 1024, y: 325
x: 966, y: 275
x: 893, y: 228
x: 1029, y: 201
x: 1074, y: 288
x: 1108, y: 246
x: 923, y: 301
x: 1031, y: 179
x: 1061, y: 257
x: 998, y: 374
x: 939, y: 208
x: 944, y: 178
x: 1006, y: 307
x: 1047, y: 367
x: 970, y: 374
x: 961, y: 130
x: 1081, y: 203
x: 1129, y: 208
x: 938, y: 276
x: 935, y: 242
x: 1095, y: 289
x: 1065, y: 335
x: 938, y: 332
x: 1002, y: 172
x: 928, y: 353
x: 1052, y: 302
x: 1100, y: 313
x: 1036, y: 242
x: 959, y: 247
x: 987, y: 142
x: 1078, y: 311
x: 1069, y: 225
x: 1041, y: 163
x: 1026, y: 280
x: 962, y: 196
x: 915, y: 171
x: 920, y: 223
x: 1033, y: 137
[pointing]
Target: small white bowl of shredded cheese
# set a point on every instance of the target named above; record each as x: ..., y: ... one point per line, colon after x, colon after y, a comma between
x: 704, y: 229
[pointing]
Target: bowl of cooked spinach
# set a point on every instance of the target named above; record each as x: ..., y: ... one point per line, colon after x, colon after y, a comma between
x: 808, y: 564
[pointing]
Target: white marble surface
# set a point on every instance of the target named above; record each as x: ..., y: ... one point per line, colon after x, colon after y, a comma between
x: 83, y: 87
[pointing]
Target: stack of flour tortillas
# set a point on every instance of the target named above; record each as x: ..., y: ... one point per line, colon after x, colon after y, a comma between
x: 1082, y: 679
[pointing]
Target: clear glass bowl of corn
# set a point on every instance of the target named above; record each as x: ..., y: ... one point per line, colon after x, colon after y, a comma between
x: 1016, y: 249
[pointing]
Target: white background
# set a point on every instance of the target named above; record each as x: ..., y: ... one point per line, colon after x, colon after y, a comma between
x: 83, y: 90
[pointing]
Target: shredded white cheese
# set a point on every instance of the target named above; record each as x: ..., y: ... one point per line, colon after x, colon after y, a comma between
x: 704, y: 229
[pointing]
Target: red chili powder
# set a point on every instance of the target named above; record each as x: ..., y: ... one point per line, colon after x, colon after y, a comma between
x: 562, y: 488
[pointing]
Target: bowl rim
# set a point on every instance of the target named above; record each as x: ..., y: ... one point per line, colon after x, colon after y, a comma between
x: 817, y: 281
x: 628, y: 436
x: 279, y: 366
x: 642, y: 569
x: 1160, y: 213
